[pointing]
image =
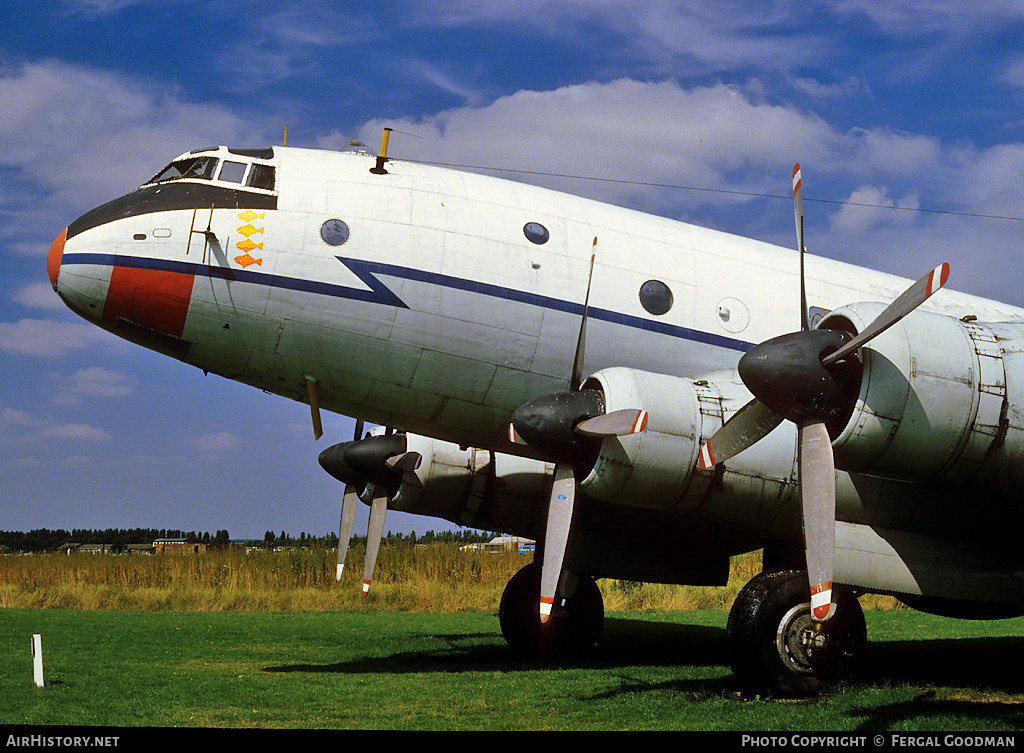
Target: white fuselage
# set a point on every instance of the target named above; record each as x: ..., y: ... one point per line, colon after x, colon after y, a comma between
x: 437, y: 314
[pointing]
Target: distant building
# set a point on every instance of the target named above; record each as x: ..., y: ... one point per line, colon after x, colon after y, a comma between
x: 503, y: 544
x: 87, y: 548
x: 178, y: 546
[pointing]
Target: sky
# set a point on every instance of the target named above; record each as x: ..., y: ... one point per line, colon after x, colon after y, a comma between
x: 906, y: 116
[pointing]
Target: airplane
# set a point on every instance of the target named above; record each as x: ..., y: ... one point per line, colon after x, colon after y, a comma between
x: 643, y: 397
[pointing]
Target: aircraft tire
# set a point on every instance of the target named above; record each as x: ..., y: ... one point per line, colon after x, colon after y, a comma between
x: 570, y: 630
x: 766, y: 623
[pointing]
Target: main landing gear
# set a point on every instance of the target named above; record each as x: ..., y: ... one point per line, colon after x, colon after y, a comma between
x: 572, y: 628
x: 775, y: 645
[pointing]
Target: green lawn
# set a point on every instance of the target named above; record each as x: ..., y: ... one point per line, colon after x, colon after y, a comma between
x: 403, y: 671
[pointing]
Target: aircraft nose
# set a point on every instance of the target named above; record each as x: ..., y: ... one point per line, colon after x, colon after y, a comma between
x: 53, y: 258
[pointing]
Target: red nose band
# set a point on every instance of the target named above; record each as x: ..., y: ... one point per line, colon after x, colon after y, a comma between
x: 54, y: 257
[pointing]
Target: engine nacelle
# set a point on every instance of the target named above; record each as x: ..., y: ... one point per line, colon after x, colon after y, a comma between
x: 656, y: 468
x: 473, y: 487
x: 931, y: 396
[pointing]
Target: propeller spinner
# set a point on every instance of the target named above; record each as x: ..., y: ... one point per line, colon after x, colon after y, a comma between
x: 379, y: 462
x: 809, y: 377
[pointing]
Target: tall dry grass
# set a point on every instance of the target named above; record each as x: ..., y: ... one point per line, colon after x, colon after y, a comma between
x: 438, y: 577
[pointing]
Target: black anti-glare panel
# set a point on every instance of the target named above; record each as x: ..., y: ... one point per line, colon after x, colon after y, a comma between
x: 166, y: 197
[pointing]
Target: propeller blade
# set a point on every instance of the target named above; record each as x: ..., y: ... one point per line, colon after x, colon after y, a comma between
x: 405, y: 462
x: 818, y: 492
x: 349, y: 504
x: 750, y: 424
x: 374, y: 534
x: 577, y: 363
x: 798, y: 214
x: 620, y: 423
x: 563, y: 492
x: 513, y: 435
x: 348, y: 516
x: 909, y: 300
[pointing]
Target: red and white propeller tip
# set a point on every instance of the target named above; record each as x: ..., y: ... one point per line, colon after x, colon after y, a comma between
x: 546, y: 603
x: 620, y: 423
x: 822, y: 607
x: 707, y: 457
x: 937, y: 278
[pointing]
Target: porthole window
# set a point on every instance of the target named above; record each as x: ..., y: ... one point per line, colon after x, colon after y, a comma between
x: 334, y: 232
x: 655, y: 297
x: 536, y: 233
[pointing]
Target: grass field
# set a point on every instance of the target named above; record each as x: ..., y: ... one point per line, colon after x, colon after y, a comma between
x: 652, y: 670
x: 436, y: 578
x: 269, y: 640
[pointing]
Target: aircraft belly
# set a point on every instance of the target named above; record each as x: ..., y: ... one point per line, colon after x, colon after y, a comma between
x: 882, y: 559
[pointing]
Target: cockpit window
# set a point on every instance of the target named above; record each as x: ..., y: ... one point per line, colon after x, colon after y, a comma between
x: 191, y: 167
x: 261, y: 176
x: 232, y: 172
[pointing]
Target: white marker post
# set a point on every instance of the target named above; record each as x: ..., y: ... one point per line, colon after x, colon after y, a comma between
x: 37, y: 659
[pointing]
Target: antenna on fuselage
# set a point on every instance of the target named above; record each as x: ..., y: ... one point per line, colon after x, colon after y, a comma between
x: 285, y: 142
x: 382, y: 157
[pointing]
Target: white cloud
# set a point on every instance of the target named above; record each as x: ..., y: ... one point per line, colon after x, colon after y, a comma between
x: 93, y: 382
x: 871, y: 206
x: 881, y: 151
x: 217, y: 442
x: 80, y: 136
x: 39, y: 295
x: 818, y: 90
x: 46, y: 338
x: 625, y: 130
x: 446, y: 81
x: 919, y: 17
x: 14, y: 417
x: 76, y: 432
x: 18, y: 427
x: 989, y: 180
x: 1014, y: 73
x: 289, y: 41
x: 714, y: 36
x: 662, y: 134
x: 99, y: 7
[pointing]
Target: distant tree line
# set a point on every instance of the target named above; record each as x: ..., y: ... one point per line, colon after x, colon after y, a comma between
x: 45, y: 539
x: 465, y: 536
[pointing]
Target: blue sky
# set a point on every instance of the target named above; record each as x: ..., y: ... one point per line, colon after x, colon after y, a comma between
x: 891, y: 106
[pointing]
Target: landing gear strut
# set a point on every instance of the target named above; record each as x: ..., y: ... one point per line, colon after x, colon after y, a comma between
x: 775, y: 645
x: 572, y: 628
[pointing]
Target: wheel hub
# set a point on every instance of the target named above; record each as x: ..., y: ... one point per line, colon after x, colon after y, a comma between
x: 797, y: 638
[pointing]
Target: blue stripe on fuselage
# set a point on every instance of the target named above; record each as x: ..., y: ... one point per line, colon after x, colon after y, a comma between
x: 378, y: 292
